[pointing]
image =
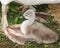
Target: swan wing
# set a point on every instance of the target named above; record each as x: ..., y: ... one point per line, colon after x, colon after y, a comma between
x: 43, y: 33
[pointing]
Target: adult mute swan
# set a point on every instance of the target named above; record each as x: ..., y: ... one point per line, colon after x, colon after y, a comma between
x: 31, y: 2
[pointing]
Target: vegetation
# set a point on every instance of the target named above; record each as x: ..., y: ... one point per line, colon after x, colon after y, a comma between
x: 13, y: 18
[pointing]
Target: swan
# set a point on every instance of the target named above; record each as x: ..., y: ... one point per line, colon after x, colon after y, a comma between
x: 34, y: 30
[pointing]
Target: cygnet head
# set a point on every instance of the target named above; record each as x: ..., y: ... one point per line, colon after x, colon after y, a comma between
x: 29, y: 14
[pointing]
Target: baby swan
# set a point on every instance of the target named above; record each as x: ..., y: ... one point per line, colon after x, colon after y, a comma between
x: 37, y: 31
x: 30, y: 16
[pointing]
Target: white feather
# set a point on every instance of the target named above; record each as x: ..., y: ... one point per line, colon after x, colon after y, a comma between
x: 31, y: 2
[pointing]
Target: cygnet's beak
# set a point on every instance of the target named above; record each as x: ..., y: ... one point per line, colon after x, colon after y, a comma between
x: 22, y: 17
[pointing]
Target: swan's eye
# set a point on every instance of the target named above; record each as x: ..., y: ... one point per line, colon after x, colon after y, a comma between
x: 27, y: 15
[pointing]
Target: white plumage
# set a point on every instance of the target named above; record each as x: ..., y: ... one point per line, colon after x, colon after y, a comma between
x: 31, y: 2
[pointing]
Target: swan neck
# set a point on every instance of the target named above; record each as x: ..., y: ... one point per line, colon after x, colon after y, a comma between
x: 26, y: 24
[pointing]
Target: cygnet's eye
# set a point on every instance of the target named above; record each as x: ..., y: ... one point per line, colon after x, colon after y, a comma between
x: 27, y: 15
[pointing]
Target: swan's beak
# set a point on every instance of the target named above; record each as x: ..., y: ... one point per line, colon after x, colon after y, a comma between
x: 22, y: 17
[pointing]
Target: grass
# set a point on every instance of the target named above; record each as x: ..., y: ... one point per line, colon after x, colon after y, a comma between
x: 13, y: 18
